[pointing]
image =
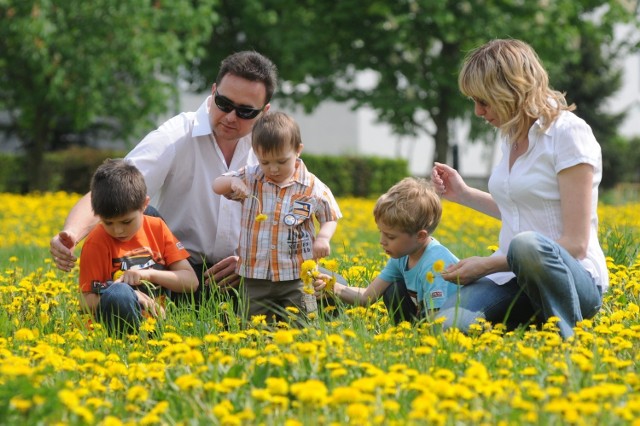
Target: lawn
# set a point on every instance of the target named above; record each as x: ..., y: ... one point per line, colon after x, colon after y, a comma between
x: 349, y: 367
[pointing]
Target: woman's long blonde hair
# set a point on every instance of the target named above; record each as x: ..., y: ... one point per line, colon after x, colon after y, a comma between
x: 508, y: 76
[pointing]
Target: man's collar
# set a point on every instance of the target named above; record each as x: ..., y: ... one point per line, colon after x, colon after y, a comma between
x: 202, y: 121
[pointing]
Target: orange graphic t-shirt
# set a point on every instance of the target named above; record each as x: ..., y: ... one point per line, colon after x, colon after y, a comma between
x: 153, y: 246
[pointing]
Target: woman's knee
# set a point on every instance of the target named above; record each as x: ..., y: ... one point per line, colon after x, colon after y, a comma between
x: 523, y: 245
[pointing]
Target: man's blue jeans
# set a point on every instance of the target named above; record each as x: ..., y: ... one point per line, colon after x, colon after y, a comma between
x: 119, y: 310
x: 549, y: 282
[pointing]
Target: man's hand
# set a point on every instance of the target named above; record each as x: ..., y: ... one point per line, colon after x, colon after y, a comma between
x: 61, y: 248
x: 223, y: 274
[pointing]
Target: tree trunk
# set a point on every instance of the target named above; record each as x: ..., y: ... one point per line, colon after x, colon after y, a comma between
x: 34, y: 157
x: 441, y: 138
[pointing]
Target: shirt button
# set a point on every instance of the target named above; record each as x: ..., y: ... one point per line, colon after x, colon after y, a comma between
x: 273, y: 247
x: 278, y: 199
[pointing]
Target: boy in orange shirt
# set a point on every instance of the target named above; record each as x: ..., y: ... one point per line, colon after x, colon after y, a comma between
x: 127, y: 251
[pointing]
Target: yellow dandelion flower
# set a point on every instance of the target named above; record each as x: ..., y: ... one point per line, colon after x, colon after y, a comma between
x: 25, y: 334
x: 260, y: 217
x: 331, y: 283
x: 308, y: 268
x: 438, y: 266
x: 277, y: 386
x: 188, y: 382
x: 137, y: 393
x: 330, y: 264
x: 112, y: 421
x: 283, y: 337
x: 430, y: 277
x: 20, y: 404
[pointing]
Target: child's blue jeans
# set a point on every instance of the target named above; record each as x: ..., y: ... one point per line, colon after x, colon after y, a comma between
x: 119, y: 310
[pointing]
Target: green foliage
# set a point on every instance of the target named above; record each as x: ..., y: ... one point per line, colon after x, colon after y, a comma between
x: 620, y: 159
x: 68, y: 170
x: 9, y: 171
x: 357, y: 176
x: 69, y: 67
x: 622, y: 244
x: 415, y: 48
x: 335, y: 172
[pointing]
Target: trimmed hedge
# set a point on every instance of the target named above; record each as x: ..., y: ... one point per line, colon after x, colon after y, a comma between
x: 357, y: 176
x: 71, y: 170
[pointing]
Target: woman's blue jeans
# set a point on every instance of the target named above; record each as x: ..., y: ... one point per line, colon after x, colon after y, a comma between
x: 119, y: 310
x: 549, y: 282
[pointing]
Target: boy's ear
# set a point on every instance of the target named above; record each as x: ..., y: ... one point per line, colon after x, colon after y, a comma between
x: 146, y: 203
x: 423, y: 234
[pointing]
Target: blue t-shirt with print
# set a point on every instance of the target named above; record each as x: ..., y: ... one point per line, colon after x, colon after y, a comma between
x: 430, y: 295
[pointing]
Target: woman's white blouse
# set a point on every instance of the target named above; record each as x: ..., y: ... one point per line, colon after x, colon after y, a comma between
x: 528, y: 196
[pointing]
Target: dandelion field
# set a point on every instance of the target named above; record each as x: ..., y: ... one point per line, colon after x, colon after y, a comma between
x: 351, y: 366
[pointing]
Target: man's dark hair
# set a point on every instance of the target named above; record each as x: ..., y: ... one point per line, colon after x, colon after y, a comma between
x: 251, y: 66
x: 117, y: 188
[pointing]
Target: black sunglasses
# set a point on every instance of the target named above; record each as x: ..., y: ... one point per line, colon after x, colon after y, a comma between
x: 225, y: 105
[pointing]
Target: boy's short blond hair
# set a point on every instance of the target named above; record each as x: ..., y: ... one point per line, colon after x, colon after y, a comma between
x: 410, y: 205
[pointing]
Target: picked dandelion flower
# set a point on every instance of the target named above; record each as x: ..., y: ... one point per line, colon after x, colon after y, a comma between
x: 260, y: 217
x: 438, y: 266
x: 309, y: 272
x: 430, y: 277
x: 330, y: 284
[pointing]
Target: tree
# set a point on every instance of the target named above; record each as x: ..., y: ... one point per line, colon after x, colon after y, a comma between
x: 414, y: 47
x: 70, y: 66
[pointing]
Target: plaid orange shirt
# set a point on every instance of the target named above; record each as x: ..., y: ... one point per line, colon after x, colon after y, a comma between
x: 274, y: 249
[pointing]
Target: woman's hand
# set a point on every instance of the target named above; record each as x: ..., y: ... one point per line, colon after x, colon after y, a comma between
x: 448, y: 182
x: 469, y: 270
x: 319, y: 284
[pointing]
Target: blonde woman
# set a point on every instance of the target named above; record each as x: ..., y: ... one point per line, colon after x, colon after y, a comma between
x: 544, y: 190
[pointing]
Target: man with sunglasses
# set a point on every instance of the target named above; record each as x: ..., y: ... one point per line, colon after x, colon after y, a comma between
x: 181, y: 158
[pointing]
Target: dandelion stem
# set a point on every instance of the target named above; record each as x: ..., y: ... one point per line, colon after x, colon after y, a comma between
x: 259, y: 204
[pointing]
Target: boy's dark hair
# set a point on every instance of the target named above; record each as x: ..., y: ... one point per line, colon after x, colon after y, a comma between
x: 251, y: 66
x: 117, y: 188
x: 410, y: 205
x: 274, y: 132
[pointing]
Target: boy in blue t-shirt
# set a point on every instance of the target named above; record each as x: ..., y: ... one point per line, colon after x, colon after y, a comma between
x: 410, y: 283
